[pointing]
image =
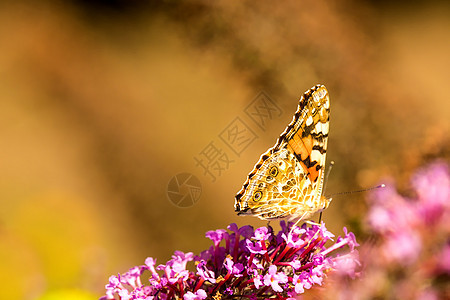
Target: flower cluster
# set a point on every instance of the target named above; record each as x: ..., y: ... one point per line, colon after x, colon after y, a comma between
x: 245, y: 263
x: 402, y: 222
x: 408, y: 253
x: 414, y: 234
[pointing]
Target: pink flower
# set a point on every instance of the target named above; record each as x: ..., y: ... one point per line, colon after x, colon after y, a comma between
x: 273, y: 278
x: 403, y: 247
x: 433, y: 188
x: 216, y: 235
x: 261, y: 234
x: 347, y: 264
x: 294, y: 238
x: 258, y: 281
x: 300, y: 282
x: 235, y: 269
x: 255, y: 247
x: 242, y: 267
x: 198, y: 295
x: 204, y: 273
x: 444, y: 259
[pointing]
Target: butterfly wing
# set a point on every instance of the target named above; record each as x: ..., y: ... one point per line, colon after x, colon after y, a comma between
x: 287, y: 181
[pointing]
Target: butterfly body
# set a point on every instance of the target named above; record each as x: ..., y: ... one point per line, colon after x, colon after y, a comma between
x: 288, y: 179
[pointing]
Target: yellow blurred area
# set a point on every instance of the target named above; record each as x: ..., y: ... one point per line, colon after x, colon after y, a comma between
x: 101, y: 104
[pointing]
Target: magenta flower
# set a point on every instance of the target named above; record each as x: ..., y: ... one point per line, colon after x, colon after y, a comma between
x: 242, y: 263
x: 444, y: 260
x: 400, y: 220
x: 216, y: 236
x: 301, y: 282
x: 433, y: 190
x: 255, y: 247
x: 232, y: 268
x: 407, y: 255
x: 198, y: 295
x: 204, y: 273
x: 261, y: 234
x: 347, y: 264
x: 402, y: 247
x: 273, y: 278
x: 175, y: 269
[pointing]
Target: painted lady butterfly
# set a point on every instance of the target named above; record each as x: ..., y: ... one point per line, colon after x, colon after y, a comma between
x: 287, y: 181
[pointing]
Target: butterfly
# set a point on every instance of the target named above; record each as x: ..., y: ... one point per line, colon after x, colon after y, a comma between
x: 288, y: 179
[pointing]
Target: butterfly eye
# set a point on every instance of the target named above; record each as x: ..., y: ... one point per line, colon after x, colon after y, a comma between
x: 257, y: 196
x: 273, y: 171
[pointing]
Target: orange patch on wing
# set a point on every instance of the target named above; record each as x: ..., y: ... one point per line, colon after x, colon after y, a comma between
x: 313, y: 174
x: 301, y: 147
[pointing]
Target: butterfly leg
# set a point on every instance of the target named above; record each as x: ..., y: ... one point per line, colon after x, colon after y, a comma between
x: 312, y: 223
x: 298, y: 221
x: 268, y: 226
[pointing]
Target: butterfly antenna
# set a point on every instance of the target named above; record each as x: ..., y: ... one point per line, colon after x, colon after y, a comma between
x: 359, y: 191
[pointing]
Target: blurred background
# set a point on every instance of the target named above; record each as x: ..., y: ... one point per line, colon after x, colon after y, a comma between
x: 102, y: 103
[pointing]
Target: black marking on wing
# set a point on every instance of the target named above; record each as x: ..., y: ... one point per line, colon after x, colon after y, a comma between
x: 307, y: 161
x: 288, y: 132
x: 319, y: 148
x: 308, y: 130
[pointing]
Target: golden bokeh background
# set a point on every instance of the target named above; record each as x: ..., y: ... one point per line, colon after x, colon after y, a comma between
x: 103, y: 102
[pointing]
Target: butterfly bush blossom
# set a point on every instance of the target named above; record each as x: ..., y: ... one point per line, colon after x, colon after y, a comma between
x: 408, y: 254
x: 244, y: 263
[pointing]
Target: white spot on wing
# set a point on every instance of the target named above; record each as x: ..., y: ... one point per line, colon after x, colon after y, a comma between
x: 316, y: 156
